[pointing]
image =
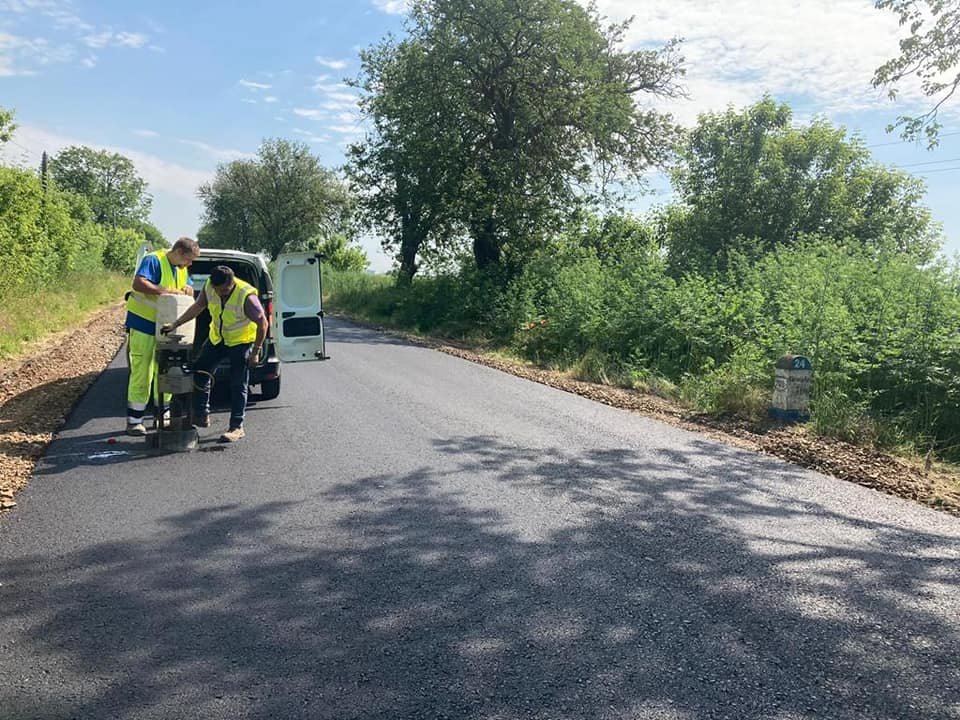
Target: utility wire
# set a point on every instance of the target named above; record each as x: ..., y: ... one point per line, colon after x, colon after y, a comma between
x: 930, y: 162
x: 930, y: 172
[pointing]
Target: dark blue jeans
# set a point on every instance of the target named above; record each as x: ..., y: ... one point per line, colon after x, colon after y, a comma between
x: 212, y: 355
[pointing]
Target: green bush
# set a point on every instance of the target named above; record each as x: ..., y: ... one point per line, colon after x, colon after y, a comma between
x: 881, y: 330
x: 44, y: 239
x: 120, y: 249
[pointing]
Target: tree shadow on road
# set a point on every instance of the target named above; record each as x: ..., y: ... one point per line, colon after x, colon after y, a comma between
x: 656, y: 595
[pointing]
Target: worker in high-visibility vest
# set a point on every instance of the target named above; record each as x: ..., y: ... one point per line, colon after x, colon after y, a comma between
x: 161, y: 272
x: 238, y: 328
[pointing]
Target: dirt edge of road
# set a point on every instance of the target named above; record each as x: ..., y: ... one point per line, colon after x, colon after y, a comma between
x: 40, y: 388
x: 864, y: 466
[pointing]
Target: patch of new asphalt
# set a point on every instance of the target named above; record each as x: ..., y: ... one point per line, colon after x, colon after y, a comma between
x: 404, y: 534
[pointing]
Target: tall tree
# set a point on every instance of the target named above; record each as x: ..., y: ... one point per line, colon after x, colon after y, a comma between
x: 108, y: 181
x: 520, y: 106
x: 406, y: 173
x: 280, y: 200
x: 930, y: 54
x: 749, y: 181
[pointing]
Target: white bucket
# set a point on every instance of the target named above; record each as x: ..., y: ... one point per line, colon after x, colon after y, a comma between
x: 169, y: 308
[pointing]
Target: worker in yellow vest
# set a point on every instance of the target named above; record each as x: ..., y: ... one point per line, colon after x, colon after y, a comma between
x: 238, y: 328
x: 161, y: 272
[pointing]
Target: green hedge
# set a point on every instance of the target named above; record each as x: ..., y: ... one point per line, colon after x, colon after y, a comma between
x: 882, y: 331
x: 43, y: 239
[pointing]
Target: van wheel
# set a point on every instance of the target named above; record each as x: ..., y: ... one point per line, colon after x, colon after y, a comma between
x: 269, y: 389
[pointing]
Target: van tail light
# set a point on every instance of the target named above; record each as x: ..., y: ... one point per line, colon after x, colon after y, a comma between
x: 268, y: 309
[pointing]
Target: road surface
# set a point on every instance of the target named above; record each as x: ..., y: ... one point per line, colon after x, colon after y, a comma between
x: 404, y: 534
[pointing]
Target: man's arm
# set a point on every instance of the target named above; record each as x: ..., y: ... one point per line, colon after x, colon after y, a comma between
x: 255, y: 314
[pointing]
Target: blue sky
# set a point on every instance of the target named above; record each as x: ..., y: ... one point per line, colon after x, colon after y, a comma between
x: 182, y: 86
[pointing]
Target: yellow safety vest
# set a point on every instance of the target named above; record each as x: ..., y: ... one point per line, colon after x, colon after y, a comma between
x: 171, y: 278
x: 228, y: 321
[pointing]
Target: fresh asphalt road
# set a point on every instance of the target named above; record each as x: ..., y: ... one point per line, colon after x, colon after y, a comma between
x: 407, y: 535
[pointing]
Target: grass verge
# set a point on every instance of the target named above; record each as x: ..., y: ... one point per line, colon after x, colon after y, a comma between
x: 33, y: 314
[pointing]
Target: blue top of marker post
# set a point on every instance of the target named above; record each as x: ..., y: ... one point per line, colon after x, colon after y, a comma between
x: 794, y: 362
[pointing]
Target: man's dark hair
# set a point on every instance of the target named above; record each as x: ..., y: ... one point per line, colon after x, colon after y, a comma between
x: 221, y: 275
x: 186, y: 245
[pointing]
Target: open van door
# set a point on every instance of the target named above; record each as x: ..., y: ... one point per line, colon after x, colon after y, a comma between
x: 297, y: 312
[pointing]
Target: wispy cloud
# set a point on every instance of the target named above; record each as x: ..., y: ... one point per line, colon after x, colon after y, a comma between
x: 270, y: 99
x: 392, y: 7
x: 61, y: 13
x: 131, y: 40
x: 312, y: 113
x: 159, y: 173
x: 255, y: 86
x: 146, y: 133
x: 312, y: 137
x: 817, y: 53
x: 332, y: 63
x: 215, y: 152
x: 109, y: 38
x: 21, y: 55
x: 63, y: 32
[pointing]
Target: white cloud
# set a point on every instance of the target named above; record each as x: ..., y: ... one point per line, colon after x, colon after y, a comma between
x: 392, y: 7
x: 99, y: 40
x: 331, y: 63
x: 817, y: 52
x: 109, y: 38
x: 160, y: 174
x: 255, y: 86
x: 311, y: 113
x: 249, y: 101
x: 146, y: 133
x: 131, y: 40
x: 270, y: 99
x: 226, y: 154
x: 62, y: 14
x: 22, y: 55
x: 312, y: 137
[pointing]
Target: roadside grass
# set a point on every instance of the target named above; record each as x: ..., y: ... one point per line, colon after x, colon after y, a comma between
x: 32, y: 315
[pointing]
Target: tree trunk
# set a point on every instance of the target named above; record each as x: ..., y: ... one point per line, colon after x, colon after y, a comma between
x: 411, y: 237
x: 486, y: 246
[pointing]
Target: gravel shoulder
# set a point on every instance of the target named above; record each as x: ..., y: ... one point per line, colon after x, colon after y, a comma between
x: 40, y: 388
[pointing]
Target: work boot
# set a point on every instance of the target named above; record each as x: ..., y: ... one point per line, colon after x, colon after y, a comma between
x: 232, y: 435
x: 136, y: 429
x: 202, y: 422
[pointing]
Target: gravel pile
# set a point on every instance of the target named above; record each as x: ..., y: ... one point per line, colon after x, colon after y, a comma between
x: 40, y: 388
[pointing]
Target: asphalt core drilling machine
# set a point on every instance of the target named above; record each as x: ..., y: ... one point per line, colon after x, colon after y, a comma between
x: 173, y: 426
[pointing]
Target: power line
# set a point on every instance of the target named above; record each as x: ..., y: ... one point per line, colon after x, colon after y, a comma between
x: 930, y: 172
x: 929, y: 162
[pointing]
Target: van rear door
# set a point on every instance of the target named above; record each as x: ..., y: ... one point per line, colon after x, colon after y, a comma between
x: 297, y: 310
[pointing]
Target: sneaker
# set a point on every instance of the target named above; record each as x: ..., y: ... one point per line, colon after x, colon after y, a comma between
x: 202, y: 422
x: 232, y: 435
x: 136, y: 429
